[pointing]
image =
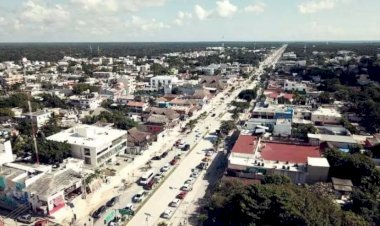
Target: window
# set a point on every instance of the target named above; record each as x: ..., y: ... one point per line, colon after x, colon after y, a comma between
x: 87, y: 160
x: 87, y: 151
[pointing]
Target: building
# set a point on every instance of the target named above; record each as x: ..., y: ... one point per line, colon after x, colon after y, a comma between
x: 95, y: 145
x: 128, y: 83
x: 294, y: 86
x: 326, y: 116
x: 103, y: 74
x: 255, y: 159
x: 161, y: 81
x: 338, y: 141
x: 136, y: 107
x: 10, y: 79
x: 39, y: 118
x: 6, y: 154
x: 283, y: 128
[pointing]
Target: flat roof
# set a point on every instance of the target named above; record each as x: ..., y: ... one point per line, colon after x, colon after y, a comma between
x: 88, y: 135
x: 289, y: 152
x: 321, y: 162
x: 333, y: 138
x: 245, y: 144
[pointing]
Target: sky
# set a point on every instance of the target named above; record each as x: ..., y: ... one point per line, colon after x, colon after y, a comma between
x: 188, y: 20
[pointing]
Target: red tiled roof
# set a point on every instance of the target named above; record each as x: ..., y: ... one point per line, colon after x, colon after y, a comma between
x: 288, y: 96
x: 289, y: 152
x: 135, y: 104
x: 245, y: 144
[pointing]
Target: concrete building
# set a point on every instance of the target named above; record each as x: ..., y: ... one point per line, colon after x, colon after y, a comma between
x: 326, y: 116
x: 283, y: 128
x: 294, y: 86
x: 9, y: 79
x: 254, y: 159
x: 39, y: 118
x: 128, y: 83
x: 338, y: 141
x: 6, y: 154
x: 161, y: 81
x: 95, y: 145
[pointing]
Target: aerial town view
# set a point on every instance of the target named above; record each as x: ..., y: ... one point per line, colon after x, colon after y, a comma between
x: 189, y: 113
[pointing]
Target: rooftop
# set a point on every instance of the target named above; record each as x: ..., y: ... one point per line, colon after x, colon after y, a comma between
x: 332, y: 138
x: 245, y: 144
x: 320, y: 162
x: 327, y: 111
x: 289, y: 152
x: 88, y: 135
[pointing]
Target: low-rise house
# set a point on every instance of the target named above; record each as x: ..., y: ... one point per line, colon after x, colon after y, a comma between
x: 95, y: 145
x: 39, y: 118
x: 323, y: 116
x: 136, y: 107
x: 138, y: 141
x: 161, y: 81
x: 294, y: 86
x: 213, y: 83
x: 338, y: 141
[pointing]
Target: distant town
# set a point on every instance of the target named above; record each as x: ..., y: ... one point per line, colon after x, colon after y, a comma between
x: 227, y: 134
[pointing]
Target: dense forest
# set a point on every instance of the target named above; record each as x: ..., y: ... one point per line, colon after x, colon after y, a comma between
x: 56, y: 51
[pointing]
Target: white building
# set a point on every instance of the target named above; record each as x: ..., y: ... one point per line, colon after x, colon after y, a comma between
x: 160, y: 81
x: 128, y: 84
x: 39, y: 118
x: 294, y: 86
x: 326, y: 116
x: 6, y: 154
x: 283, y: 127
x: 95, y: 145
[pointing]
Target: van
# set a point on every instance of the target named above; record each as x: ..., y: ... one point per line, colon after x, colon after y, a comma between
x: 144, y: 179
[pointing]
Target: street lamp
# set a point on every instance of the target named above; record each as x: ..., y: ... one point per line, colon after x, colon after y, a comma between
x: 147, y: 218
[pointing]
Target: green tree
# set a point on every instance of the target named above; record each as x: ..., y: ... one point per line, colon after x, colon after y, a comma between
x: 227, y: 126
x: 6, y: 112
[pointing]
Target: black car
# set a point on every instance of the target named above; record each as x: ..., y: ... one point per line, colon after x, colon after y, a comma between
x: 186, y: 147
x: 99, y: 212
x: 164, y: 154
x: 157, y: 157
x: 112, y: 201
x: 213, y: 115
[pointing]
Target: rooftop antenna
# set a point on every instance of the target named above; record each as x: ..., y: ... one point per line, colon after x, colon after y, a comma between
x: 24, y: 61
x: 98, y: 51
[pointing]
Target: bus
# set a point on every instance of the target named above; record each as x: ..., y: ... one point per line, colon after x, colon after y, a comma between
x: 144, y: 179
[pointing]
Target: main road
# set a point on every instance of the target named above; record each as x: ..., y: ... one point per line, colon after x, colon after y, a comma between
x: 200, y: 140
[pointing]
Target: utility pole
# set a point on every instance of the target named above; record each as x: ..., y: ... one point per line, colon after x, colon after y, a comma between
x: 24, y: 61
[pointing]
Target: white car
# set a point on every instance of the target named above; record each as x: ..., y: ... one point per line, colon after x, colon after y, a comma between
x: 139, y: 196
x: 190, y: 181
x: 165, y: 168
x: 167, y: 214
x: 186, y: 187
x: 195, y: 174
x: 175, y: 203
x: 209, y: 153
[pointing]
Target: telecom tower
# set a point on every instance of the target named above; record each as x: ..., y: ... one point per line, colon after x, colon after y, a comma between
x: 24, y: 61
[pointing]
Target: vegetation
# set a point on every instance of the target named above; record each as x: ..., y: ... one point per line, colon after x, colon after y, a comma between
x: 278, y: 203
x: 227, y: 126
x: 82, y: 87
x: 301, y: 130
x: 119, y: 120
x: 248, y: 94
x: 19, y: 100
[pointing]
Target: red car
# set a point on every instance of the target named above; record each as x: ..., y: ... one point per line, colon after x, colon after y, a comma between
x: 181, y: 195
x: 173, y: 162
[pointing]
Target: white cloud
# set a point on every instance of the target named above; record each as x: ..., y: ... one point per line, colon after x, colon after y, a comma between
x: 201, y: 13
x: 255, y: 8
x: 313, y: 6
x: 182, y: 17
x: 35, y: 11
x: 102, y: 6
x: 225, y: 8
x: 138, y: 23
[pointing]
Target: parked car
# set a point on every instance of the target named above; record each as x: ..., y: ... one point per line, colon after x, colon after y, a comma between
x: 26, y: 219
x: 163, y: 155
x: 186, y: 187
x: 186, y: 147
x: 209, y: 153
x: 112, y: 201
x: 173, y: 162
x: 181, y: 195
x: 157, y: 157
x: 131, y: 208
x: 99, y: 212
x: 202, y: 166
x: 195, y: 174
x: 167, y: 214
x: 165, y: 168
x: 213, y: 115
x: 175, y: 202
x: 158, y: 176
x: 190, y: 181
x: 150, y: 184
x: 139, y: 196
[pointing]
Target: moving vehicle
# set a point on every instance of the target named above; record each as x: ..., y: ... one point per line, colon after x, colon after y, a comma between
x: 165, y: 168
x: 139, y: 196
x: 26, y: 219
x: 175, y: 202
x: 144, y: 179
x: 112, y: 201
x: 167, y: 214
x: 99, y: 212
